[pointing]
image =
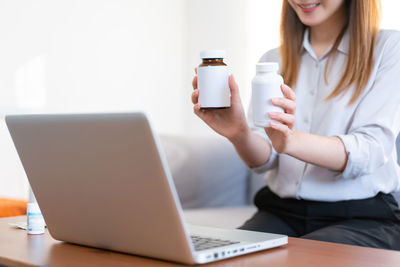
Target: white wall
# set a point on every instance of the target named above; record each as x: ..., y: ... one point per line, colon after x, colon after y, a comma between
x: 214, y: 24
x: 89, y: 56
x: 13, y: 182
x: 390, y: 18
x: 94, y: 55
x: 263, y: 31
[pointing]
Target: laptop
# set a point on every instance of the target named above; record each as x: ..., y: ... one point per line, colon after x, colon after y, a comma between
x: 102, y: 180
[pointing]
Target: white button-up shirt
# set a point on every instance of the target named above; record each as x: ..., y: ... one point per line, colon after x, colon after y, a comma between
x: 368, y: 128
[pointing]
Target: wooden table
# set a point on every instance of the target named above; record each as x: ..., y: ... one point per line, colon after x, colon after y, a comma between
x: 19, y: 249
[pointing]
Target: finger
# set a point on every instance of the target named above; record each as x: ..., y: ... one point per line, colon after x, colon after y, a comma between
x: 195, y: 96
x: 269, y: 131
x: 201, y: 113
x: 279, y: 127
x: 284, y: 118
x: 288, y: 92
x: 194, y: 82
x: 197, y: 109
x: 288, y: 105
x: 195, y: 70
x: 234, y: 89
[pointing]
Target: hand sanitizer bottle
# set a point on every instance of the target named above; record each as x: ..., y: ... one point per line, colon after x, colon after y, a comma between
x: 35, y: 223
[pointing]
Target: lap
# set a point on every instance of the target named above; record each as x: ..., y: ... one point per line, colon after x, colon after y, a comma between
x: 372, y: 222
x: 361, y: 232
x: 264, y: 221
x: 383, y: 234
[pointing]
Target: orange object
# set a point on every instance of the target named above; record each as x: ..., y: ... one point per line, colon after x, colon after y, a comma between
x: 12, y: 207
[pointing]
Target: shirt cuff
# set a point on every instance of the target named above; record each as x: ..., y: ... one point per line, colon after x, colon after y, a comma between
x: 354, y: 162
x: 272, y: 162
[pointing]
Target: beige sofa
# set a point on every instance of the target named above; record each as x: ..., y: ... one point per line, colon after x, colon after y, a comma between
x: 214, y: 186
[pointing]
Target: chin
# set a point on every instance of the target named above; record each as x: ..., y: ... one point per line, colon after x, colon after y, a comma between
x: 310, y: 21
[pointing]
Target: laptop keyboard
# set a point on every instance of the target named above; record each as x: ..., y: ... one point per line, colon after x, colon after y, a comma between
x: 202, y: 243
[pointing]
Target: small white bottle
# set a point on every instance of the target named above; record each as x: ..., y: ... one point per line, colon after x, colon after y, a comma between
x: 265, y: 86
x: 35, y: 221
x: 213, y: 80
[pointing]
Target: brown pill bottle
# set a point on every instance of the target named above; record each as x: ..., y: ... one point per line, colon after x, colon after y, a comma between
x: 213, y: 80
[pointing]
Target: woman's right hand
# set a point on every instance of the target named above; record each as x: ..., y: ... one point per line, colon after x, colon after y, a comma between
x: 230, y: 122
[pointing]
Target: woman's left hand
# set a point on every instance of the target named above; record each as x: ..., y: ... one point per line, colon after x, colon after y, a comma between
x: 281, y: 130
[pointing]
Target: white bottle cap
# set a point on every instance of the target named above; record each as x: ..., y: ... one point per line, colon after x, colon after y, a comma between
x: 267, y: 67
x: 212, y: 54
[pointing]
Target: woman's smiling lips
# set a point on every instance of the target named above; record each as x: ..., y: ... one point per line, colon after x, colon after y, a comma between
x: 307, y: 8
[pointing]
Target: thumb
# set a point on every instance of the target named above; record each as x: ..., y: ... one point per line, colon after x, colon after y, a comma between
x: 234, y: 89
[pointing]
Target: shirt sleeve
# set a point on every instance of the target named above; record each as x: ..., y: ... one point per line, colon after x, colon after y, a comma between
x: 273, y: 159
x: 376, y: 123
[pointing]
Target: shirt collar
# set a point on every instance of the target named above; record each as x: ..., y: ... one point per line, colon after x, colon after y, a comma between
x: 307, y: 45
x: 342, y: 47
x: 345, y: 43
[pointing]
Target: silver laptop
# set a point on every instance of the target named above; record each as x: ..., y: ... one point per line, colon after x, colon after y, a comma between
x: 102, y: 180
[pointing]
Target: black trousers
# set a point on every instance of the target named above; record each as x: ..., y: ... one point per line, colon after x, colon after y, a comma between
x: 372, y: 222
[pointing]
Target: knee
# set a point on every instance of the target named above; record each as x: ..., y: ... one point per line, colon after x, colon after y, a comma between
x: 333, y: 234
x: 324, y: 236
x: 251, y: 225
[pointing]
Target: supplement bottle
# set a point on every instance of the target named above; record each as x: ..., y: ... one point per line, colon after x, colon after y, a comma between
x: 265, y: 86
x: 213, y: 80
x: 35, y: 221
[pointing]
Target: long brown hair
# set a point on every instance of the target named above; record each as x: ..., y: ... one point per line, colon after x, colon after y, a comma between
x: 363, y: 26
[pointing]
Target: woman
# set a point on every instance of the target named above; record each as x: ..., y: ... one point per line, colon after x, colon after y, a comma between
x: 333, y: 148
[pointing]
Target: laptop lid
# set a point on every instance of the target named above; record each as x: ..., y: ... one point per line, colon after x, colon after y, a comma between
x: 101, y: 180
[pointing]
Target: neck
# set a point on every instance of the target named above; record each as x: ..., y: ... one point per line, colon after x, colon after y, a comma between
x: 323, y: 36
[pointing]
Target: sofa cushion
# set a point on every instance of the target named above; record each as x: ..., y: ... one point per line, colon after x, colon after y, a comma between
x: 256, y: 182
x: 228, y: 217
x: 206, y: 170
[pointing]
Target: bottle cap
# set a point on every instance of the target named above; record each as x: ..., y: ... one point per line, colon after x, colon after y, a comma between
x: 267, y: 67
x: 213, y: 54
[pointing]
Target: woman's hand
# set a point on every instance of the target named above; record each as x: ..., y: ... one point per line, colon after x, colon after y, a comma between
x: 230, y: 122
x: 281, y: 130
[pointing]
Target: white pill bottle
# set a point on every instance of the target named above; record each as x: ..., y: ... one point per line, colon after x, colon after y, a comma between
x: 265, y: 86
x: 35, y: 221
x: 213, y: 80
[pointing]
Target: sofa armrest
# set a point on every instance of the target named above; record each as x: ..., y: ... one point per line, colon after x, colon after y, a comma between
x: 207, y: 171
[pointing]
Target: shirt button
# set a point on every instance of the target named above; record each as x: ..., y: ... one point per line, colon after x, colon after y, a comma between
x: 306, y: 120
x: 312, y: 92
x: 317, y: 65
